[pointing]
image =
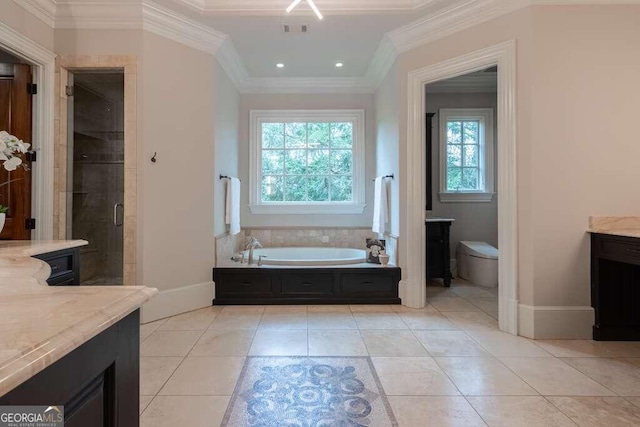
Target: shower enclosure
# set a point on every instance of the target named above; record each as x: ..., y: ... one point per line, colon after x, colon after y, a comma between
x: 95, y: 173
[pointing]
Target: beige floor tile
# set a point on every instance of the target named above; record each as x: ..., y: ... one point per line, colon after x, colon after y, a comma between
x: 144, y: 402
x: 483, y: 376
x: 328, y: 320
x: 449, y: 343
x: 155, y: 371
x: 413, y: 411
x: 440, y: 292
x: 279, y: 343
x: 243, y: 309
x: 284, y: 320
x: 618, y: 375
x: 509, y: 411
x: 501, y: 344
x: 598, y: 411
x: 574, y: 348
x: 404, y: 309
x: 622, y: 349
x: 468, y: 291
x: 379, y: 321
x: 192, y: 411
x: 427, y: 320
x: 392, y: 343
x: 236, y: 321
x: 197, y: 320
x: 285, y: 309
x: 148, y: 328
x: 413, y: 376
x: 371, y: 308
x: 336, y: 343
x: 345, y: 309
x: 485, y: 304
x: 393, y: 365
x: 169, y: 343
x: 223, y: 342
x: 494, y: 314
x: 634, y: 400
x: 430, y: 383
x: 452, y: 304
x: 204, y: 376
x: 553, y: 377
x: 473, y: 321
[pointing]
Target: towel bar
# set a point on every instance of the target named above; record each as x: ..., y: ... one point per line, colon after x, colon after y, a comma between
x: 392, y: 176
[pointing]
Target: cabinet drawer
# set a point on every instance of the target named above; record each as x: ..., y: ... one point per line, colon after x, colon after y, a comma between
x: 65, y: 266
x: 366, y: 284
x: 620, y: 250
x: 305, y: 284
x: 242, y: 283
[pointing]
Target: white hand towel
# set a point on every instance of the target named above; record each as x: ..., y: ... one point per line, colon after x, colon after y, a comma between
x: 380, y: 206
x: 232, y: 209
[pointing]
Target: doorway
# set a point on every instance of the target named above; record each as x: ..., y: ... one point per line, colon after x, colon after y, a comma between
x: 16, y: 91
x: 95, y: 172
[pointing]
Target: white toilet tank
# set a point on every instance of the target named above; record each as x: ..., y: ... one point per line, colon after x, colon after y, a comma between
x: 478, y: 263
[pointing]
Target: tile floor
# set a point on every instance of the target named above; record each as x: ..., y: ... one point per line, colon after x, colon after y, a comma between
x: 444, y: 365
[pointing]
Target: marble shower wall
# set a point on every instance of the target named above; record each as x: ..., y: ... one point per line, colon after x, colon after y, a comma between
x: 227, y: 245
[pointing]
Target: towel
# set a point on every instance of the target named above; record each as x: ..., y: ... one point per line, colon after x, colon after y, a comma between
x: 380, y: 206
x: 232, y: 209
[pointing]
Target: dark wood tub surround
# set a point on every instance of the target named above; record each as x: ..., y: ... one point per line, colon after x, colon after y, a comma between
x: 339, y: 285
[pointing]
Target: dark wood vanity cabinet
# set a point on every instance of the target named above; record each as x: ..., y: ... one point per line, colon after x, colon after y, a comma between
x: 615, y: 287
x: 65, y: 267
x: 306, y: 285
x: 438, y: 251
x: 98, y: 383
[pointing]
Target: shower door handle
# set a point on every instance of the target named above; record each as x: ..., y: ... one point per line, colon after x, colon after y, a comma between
x: 115, y: 214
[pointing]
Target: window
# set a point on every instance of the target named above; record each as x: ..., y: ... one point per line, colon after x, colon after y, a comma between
x: 307, y: 162
x: 466, y: 155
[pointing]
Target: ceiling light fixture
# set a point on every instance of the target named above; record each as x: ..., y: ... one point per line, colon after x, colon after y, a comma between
x: 339, y: 64
x: 311, y: 3
x: 280, y: 65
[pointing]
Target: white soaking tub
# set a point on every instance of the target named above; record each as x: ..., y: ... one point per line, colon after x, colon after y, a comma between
x: 309, y: 256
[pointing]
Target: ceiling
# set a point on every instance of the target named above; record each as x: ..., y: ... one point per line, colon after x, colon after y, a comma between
x: 350, y: 32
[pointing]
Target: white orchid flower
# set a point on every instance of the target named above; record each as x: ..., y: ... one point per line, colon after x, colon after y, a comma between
x: 12, y: 164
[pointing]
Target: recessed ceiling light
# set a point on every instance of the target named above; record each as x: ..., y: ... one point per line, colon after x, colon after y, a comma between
x: 280, y: 65
x: 339, y: 64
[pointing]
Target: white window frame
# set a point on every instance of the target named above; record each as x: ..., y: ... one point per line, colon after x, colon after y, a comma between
x: 258, y: 117
x: 486, y: 160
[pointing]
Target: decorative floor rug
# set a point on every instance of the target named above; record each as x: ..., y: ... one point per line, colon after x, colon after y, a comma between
x: 308, y: 392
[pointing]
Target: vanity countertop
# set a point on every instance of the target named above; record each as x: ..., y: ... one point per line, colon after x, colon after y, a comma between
x: 435, y: 219
x: 626, y: 226
x: 40, y: 324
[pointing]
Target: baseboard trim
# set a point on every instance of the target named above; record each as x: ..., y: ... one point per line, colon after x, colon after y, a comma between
x: 177, y: 301
x: 555, y: 322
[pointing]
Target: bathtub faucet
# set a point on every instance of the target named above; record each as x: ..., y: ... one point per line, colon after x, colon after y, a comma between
x: 253, y: 243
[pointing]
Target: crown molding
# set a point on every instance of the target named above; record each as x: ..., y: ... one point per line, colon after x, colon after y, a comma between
x: 381, y: 63
x: 98, y: 16
x: 166, y: 23
x: 45, y: 10
x: 329, y: 7
x: 231, y: 63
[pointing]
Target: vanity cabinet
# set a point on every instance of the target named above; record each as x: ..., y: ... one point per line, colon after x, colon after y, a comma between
x: 98, y: 383
x: 438, y: 251
x: 615, y: 287
x: 65, y: 266
x: 253, y: 285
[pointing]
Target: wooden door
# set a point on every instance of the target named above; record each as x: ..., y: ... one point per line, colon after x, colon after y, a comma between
x: 15, y: 118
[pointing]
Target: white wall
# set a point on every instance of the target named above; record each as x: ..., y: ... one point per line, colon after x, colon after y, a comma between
x: 226, y: 121
x: 388, y: 144
x: 250, y: 102
x: 19, y: 19
x: 474, y: 221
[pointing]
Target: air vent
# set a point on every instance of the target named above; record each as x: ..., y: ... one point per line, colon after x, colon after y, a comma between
x: 295, y: 29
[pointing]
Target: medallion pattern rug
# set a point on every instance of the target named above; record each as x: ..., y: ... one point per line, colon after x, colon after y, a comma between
x: 308, y: 392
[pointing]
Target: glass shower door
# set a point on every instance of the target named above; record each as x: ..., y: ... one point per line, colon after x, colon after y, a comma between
x: 95, y: 193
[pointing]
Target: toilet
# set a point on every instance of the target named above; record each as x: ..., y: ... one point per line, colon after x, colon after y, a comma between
x: 478, y: 263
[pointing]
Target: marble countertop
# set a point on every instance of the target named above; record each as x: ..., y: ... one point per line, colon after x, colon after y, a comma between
x: 627, y: 226
x: 40, y: 324
x: 435, y: 219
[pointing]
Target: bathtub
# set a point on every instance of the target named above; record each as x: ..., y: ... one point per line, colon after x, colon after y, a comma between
x: 309, y: 256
